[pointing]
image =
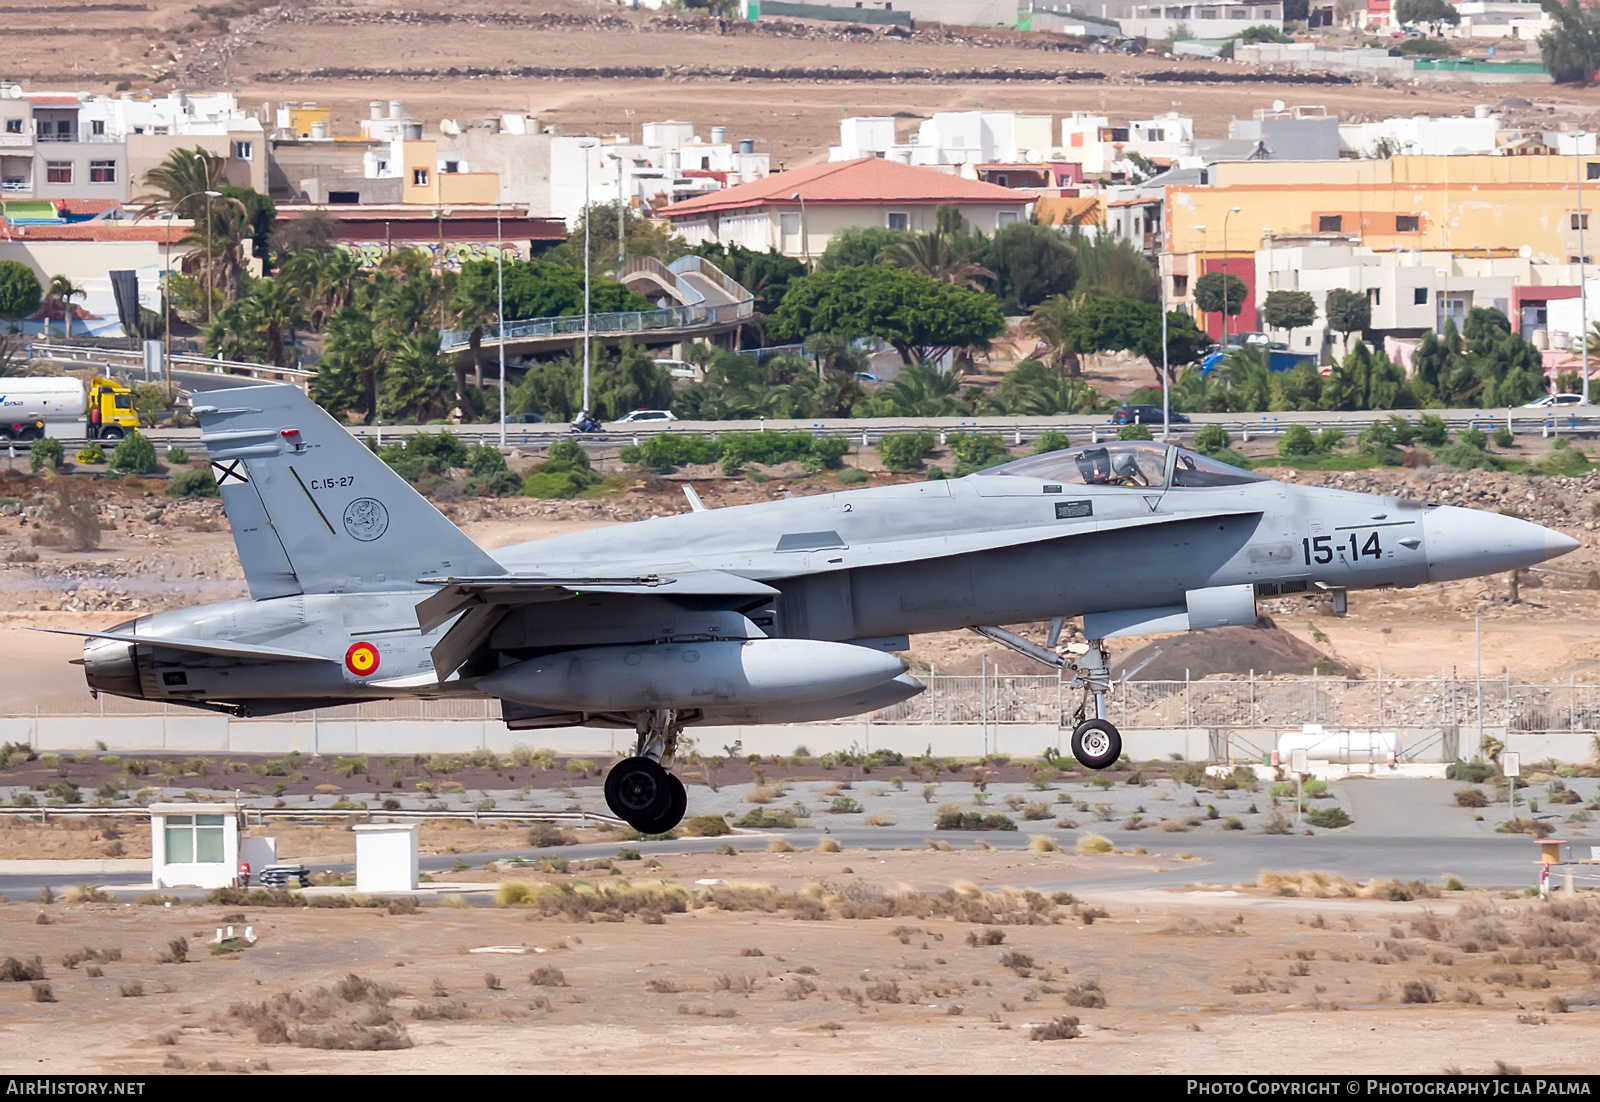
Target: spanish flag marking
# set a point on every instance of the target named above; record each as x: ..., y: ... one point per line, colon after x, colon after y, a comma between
x: 361, y: 659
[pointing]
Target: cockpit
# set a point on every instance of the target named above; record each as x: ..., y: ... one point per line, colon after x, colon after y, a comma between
x: 1126, y: 463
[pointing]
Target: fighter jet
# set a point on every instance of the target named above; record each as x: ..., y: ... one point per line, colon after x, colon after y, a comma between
x: 775, y: 612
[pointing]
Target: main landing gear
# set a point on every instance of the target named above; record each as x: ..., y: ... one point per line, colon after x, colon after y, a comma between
x: 639, y: 789
x: 1095, y: 742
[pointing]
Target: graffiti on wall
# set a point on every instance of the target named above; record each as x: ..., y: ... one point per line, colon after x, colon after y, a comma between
x: 452, y: 253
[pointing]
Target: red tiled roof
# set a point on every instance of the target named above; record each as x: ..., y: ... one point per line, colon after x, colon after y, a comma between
x: 868, y: 180
x: 86, y: 206
x: 92, y: 231
x: 45, y: 100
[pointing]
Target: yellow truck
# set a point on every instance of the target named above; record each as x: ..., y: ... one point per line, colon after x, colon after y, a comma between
x: 63, y: 406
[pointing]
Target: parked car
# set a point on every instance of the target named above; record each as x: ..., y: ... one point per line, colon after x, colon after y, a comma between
x: 640, y: 416
x: 278, y: 876
x: 1550, y: 400
x: 1144, y: 415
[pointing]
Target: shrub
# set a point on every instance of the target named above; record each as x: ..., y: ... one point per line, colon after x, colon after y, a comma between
x: 93, y: 453
x: 1503, y: 437
x: 854, y: 476
x: 1329, y: 818
x: 1134, y: 432
x: 1467, y: 457
x: 423, y: 454
x: 199, y: 483
x: 971, y: 820
x: 1211, y: 439
x: 1471, y: 797
x: 46, y: 450
x: 134, y: 454
x: 176, y: 454
x: 1473, y: 772
x: 707, y: 826
x: 669, y: 451
x: 1297, y: 441
x: 974, y: 451
x: 844, y: 805
x: 904, y: 451
x: 761, y: 819
x: 1051, y: 440
x: 565, y: 472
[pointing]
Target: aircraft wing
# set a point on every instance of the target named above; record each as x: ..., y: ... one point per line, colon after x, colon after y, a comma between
x: 201, y: 646
x: 481, y: 602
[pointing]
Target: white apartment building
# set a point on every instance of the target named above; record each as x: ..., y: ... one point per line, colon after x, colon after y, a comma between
x: 1422, y: 136
x: 950, y: 138
x: 1101, y: 147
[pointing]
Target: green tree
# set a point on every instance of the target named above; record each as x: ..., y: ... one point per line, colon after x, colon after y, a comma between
x: 857, y: 247
x: 1262, y: 32
x: 1033, y: 390
x: 1571, y: 48
x: 948, y: 253
x: 20, y: 293
x: 1289, y: 310
x: 641, y: 237
x: 1030, y: 263
x: 1112, y: 267
x: 1220, y: 293
x: 542, y: 289
x: 1434, y: 12
x: 1347, y: 311
x: 920, y: 316
x: 134, y: 454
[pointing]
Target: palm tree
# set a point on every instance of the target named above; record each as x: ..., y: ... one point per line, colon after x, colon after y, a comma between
x: 275, y: 314
x: 179, y: 183
x: 921, y: 391
x: 937, y: 255
x: 323, y: 280
x: 471, y: 306
x: 61, y: 292
x: 417, y: 385
x: 1053, y: 322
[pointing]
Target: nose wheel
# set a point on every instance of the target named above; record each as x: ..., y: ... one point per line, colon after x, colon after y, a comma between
x: 639, y: 790
x: 1096, y: 743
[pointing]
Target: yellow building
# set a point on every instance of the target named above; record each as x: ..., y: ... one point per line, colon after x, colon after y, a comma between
x: 424, y: 182
x: 1469, y: 205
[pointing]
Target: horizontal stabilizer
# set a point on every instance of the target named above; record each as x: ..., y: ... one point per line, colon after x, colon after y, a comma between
x: 201, y: 646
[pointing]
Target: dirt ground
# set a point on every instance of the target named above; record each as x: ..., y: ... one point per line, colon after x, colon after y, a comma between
x: 597, y: 68
x: 781, y: 970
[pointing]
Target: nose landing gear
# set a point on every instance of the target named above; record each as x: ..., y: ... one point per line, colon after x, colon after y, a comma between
x: 639, y: 789
x: 1096, y: 743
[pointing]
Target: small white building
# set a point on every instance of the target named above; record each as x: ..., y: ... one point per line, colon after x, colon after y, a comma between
x: 386, y: 857
x: 1423, y: 136
x: 200, y: 846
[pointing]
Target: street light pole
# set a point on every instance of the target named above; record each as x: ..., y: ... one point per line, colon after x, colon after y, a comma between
x: 586, y: 317
x: 500, y: 314
x: 1225, y: 259
x: 1198, y: 277
x: 622, y: 227
x: 1583, y: 265
x: 1166, y: 388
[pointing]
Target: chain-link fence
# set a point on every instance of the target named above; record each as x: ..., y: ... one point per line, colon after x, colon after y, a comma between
x: 1269, y: 703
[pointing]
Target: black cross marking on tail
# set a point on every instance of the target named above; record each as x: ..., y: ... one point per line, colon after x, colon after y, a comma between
x: 231, y: 471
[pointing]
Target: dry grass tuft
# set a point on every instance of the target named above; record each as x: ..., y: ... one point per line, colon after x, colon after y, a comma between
x: 547, y: 975
x: 1042, y: 843
x: 1056, y: 1029
x: 13, y: 970
x: 352, y: 1015
x: 1086, y: 994
x: 1094, y: 843
x: 43, y: 994
x: 827, y: 845
x: 778, y: 845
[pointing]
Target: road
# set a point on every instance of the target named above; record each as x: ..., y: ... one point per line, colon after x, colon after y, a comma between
x: 1229, y: 860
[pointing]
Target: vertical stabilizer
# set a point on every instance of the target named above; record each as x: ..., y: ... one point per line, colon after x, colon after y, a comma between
x: 312, y: 509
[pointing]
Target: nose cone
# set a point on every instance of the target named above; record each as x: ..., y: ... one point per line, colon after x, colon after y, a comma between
x: 1468, y: 543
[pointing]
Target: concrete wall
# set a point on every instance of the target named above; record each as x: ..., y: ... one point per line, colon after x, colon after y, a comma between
x: 80, y: 155
x: 146, y: 151
x: 215, y: 734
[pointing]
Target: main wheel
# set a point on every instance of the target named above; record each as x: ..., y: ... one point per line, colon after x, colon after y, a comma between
x: 111, y: 434
x: 670, y: 818
x: 1096, y: 744
x: 638, y: 789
